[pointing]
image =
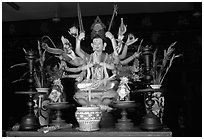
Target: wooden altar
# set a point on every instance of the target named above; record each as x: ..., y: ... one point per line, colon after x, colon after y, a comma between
x: 104, y: 132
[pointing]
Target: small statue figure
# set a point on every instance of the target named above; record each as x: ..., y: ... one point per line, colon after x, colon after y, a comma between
x: 123, y: 89
x: 57, y: 94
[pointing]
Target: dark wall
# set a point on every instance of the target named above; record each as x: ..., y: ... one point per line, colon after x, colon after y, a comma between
x: 183, y: 99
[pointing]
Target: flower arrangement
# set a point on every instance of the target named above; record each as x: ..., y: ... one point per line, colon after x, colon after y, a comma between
x: 56, y: 74
x: 41, y: 72
x: 161, y: 66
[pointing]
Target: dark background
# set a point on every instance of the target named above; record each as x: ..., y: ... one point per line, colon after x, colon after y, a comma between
x: 183, y: 96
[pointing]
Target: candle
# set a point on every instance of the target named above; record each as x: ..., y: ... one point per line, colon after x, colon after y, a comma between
x: 89, y: 95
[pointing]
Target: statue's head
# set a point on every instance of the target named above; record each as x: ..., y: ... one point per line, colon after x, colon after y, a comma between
x: 98, y: 35
x: 98, y: 44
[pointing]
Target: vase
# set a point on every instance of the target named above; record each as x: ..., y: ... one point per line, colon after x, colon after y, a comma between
x: 88, y: 118
x: 41, y: 100
x: 155, y: 86
x: 42, y: 90
x: 158, y: 106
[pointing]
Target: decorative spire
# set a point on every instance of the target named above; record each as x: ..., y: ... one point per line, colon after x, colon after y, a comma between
x: 98, y: 29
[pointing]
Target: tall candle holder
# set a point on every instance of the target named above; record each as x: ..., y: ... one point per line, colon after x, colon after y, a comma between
x: 147, y: 57
x: 150, y: 121
x: 30, y: 121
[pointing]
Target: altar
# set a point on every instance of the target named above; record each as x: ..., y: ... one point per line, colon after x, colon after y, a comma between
x: 102, y: 82
x: 103, y: 132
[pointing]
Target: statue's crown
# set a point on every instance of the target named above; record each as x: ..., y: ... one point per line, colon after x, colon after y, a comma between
x: 98, y: 29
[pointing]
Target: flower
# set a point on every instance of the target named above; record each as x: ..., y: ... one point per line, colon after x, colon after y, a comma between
x: 55, y: 73
x: 162, y: 66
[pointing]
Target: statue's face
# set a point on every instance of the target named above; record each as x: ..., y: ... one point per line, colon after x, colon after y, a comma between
x: 97, y: 44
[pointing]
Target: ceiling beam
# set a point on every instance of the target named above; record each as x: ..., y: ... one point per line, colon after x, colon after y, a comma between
x: 13, y: 5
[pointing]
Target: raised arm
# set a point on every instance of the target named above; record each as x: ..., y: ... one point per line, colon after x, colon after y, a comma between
x: 113, y: 41
x: 78, y: 49
x: 124, y: 52
x: 68, y: 52
x: 84, y: 67
x: 127, y: 60
x: 131, y: 39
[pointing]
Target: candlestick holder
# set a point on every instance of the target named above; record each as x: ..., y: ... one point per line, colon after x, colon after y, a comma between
x: 147, y: 58
x: 124, y: 123
x: 58, y: 106
x: 150, y: 121
x: 30, y: 121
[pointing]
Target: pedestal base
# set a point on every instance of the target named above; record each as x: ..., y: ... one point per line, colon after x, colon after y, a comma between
x: 151, y: 122
x: 29, y: 123
x: 58, y: 122
x: 124, y: 124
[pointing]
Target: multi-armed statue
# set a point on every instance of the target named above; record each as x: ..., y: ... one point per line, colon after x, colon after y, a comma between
x: 95, y: 73
x: 99, y: 81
